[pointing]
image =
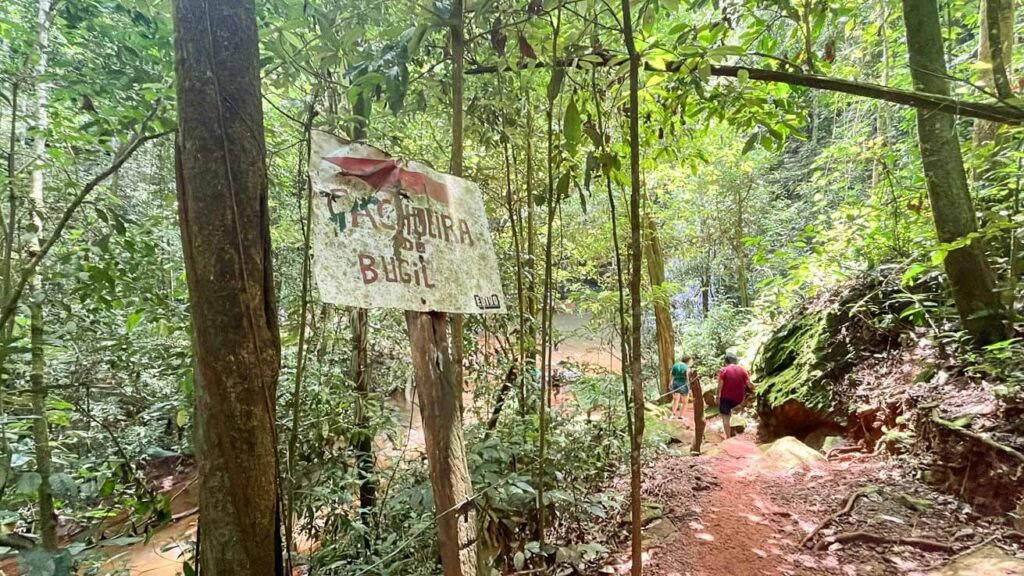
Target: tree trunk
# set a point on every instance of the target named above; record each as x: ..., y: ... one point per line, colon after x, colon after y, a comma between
x: 995, y: 54
x: 662, y: 307
x: 225, y: 234
x: 360, y: 370
x: 531, y: 239
x: 458, y: 43
x: 439, y: 387
x: 705, y: 289
x: 12, y: 209
x: 970, y: 276
x: 698, y: 413
x: 635, y: 254
x: 441, y: 408
x: 740, y: 251
x: 515, y: 208
x: 47, y: 526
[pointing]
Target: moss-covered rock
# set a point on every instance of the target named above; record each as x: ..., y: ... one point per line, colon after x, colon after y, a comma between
x: 800, y: 370
x: 792, y: 371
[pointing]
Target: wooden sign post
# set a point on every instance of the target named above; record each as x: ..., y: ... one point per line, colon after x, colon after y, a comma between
x: 394, y: 234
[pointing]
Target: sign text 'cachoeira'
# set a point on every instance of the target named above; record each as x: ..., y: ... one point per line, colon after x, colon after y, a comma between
x: 388, y: 233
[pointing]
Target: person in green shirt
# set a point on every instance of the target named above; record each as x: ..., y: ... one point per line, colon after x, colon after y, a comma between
x: 680, y: 387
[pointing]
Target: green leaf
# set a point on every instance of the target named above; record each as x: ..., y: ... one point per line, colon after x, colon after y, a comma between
x: 750, y: 143
x: 519, y: 560
x: 39, y: 562
x: 63, y: 485
x: 28, y: 483
x: 555, y: 84
x: 572, y: 127
x: 704, y: 71
x: 133, y: 320
x: 912, y: 273
x: 562, y: 188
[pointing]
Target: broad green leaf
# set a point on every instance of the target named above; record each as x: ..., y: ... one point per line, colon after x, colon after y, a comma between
x: 555, y: 83
x: 572, y: 127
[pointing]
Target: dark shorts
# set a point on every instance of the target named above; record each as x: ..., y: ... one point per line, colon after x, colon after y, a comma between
x: 725, y: 406
x: 680, y: 388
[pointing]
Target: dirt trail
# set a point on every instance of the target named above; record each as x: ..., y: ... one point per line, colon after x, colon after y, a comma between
x: 737, y: 510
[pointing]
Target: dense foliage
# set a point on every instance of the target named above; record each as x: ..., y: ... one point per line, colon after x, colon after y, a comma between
x: 760, y: 195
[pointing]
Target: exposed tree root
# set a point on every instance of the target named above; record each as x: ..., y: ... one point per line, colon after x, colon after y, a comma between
x: 965, y: 552
x: 922, y: 543
x: 851, y: 500
x: 1011, y: 452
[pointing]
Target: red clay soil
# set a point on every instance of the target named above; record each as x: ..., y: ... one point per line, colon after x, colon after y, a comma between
x: 734, y: 512
x: 731, y: 513
x: 724, y: 519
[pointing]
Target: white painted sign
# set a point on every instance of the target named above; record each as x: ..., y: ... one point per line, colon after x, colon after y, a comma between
x: 391, y: 233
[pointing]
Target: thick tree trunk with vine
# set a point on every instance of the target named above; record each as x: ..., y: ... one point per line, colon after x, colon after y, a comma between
x: 440, y: 399
x: 995, y: 55
x: 662, y: 307
x: 47, y: 522
x: 972, y: 281
x: 225, y: 233
x: 635, y: 254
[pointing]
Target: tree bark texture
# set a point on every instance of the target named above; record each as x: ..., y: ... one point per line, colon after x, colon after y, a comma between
x: 698, y: 412
x: 636, y: 255
x: 47, y: 525
x: 662, y: 307
x: 440, y: 399
x: 971, y: 278
x: 458, y: 43
x: 225, y: 233
x: 995, y: 54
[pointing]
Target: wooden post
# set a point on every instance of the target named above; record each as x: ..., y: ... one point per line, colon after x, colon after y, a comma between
x: 440, y: 397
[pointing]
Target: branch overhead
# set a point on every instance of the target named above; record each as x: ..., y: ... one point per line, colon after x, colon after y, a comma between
x: 992, y: 111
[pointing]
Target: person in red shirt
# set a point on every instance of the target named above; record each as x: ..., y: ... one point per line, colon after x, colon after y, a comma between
x: 733, y: 385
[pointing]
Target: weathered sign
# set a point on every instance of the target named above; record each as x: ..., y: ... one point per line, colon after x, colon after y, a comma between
x: 391, y: 233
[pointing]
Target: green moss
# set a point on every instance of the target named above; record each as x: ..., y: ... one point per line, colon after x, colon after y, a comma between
x: 792, y: 364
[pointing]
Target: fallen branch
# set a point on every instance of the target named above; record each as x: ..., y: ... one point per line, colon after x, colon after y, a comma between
x: 184, y: 514
x: 17, y: 541
x: 1011, y: 452
x: 869, y: 538
x: 851, y: 501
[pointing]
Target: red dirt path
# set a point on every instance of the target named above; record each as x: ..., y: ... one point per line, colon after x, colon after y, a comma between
x: 729, y: 512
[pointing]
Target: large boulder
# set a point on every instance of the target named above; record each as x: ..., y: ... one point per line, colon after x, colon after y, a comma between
x: 793, y: 372
x: 800, y: 370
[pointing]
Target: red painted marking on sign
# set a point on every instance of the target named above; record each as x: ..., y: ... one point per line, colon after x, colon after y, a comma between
x: 384, y: 174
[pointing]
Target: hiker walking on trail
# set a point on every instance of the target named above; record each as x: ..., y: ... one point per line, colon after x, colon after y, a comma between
x: 733, y: 385
x: 680, y: 387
